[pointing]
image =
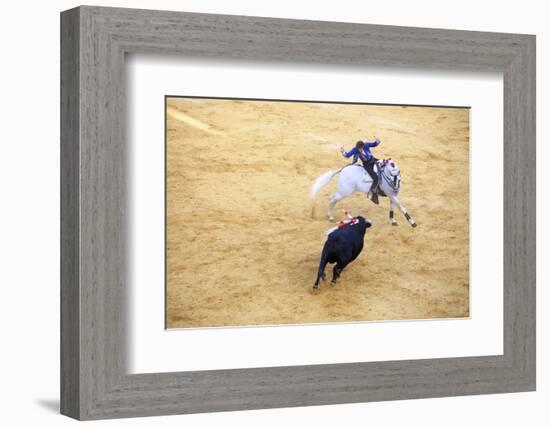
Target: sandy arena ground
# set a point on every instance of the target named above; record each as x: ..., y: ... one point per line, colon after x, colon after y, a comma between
x: 244, y: 238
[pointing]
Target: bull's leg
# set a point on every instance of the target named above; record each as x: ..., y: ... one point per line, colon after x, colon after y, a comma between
x: 322, y: 277
x: 336, y: 271
x: 392, y: 219
x: 395, y: 200
x: 322, y: 264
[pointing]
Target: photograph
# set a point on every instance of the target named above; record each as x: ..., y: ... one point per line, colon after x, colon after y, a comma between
x: 296, y: 212
x: 255, y: 214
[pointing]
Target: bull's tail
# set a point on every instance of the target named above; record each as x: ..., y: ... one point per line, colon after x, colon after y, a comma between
x: 322, y: 265
x: 322, y: 181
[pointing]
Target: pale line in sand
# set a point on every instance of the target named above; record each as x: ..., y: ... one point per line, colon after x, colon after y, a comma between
x: 188, y: 120
x: 326, y: 142
x: 318, y: 137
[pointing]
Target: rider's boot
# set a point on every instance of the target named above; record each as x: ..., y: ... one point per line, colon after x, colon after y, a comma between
x: 374, y: 194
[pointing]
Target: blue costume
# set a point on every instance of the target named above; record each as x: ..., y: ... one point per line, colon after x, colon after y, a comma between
x: 368, y: 161
x: 365, y: 156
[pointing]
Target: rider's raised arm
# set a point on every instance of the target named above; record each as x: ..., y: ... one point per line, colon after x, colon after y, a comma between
x: 352, y: 152
x: 371, y: 144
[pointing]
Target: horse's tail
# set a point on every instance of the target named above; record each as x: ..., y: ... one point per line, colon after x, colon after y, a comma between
x: 322, y: 181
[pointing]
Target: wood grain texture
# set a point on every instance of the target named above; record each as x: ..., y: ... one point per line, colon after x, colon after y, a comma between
x: 70, y: 221
x: 94, y: 271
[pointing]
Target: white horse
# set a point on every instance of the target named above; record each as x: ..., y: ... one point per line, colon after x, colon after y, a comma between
x: 353, y: 178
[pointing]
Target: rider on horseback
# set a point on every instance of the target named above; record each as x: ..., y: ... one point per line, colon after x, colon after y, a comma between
x: 362, y: 151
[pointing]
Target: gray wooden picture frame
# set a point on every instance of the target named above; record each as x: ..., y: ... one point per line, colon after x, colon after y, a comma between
x: 94, y: 380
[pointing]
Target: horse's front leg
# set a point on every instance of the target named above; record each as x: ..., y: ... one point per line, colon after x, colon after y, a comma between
x: 392, y: 219
x: 395, y: 200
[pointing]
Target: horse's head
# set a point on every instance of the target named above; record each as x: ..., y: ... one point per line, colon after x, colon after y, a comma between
x: 391, y: 172
x: 389, y: 167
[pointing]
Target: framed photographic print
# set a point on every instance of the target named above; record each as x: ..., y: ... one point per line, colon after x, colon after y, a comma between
x: 262, y: 213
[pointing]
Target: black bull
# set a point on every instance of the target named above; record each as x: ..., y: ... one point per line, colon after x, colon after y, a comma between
x: 343, y: 245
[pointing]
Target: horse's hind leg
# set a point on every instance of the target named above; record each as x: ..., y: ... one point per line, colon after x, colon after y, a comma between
x: 332, y: 202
